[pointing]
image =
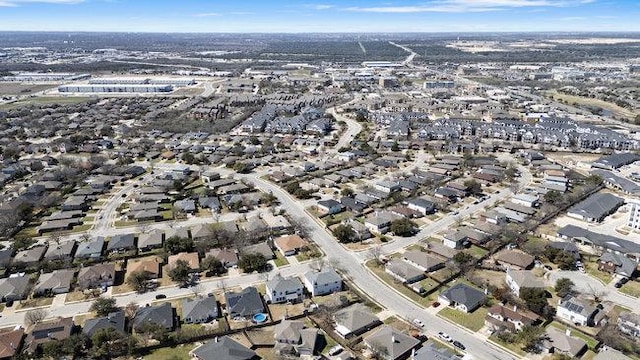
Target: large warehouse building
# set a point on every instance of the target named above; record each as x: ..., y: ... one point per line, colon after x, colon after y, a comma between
x: 177, y: 82
x: 116, y: 88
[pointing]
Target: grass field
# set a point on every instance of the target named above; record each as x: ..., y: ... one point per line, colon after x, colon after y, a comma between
x: 44, y: 100
x: 23, y: 89
x: 632, y: 288
x: 379, y: 271
x: 280, y: 260
x: 180, y: 352
x: 473, y: 321
x: 579, y: 100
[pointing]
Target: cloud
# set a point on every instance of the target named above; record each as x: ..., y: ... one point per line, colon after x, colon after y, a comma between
x: 15, y: 3
x: 207, y: 14
x: 321, y: 6
x: 469, y: 6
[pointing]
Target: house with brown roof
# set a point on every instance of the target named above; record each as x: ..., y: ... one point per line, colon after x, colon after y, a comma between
x: 43, y: 332
x: 96, y: 276
x: 290, y: 244
x: 423, y: 260
x: 191, y: 259
x: 228, y: 257
x: 514, y: 259
x: 500, y: 317
x: 149, y: 265
x: 10, y: 343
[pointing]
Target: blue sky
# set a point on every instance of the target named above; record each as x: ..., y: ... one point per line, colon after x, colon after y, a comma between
x: 323, y: 16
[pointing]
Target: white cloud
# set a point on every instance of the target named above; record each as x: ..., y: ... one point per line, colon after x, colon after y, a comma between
x: 321, y: 6
x: 207, y: 14
x: 469, y: 6
x: 14, y: 3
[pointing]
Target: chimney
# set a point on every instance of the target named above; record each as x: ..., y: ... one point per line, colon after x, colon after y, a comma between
x: 486, y: 291
x: 215, y: 339
x: 393, y: 339
x: 568, y: 332
x: 413, y: 353
x: 515, y: 308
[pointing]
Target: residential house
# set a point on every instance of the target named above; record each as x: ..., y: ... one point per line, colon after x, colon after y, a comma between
x: 518, y: 279
x: 199, y: 310
x: 149, y: 265
x: 90, y: 249
x: 391, y: 343
x: 431, y: 351
x: 228, y: 257
x: 423, y: 260
x: 454, y: 239
x: 244, y: 304
x: 596, y: 207
x: 42, y: 332
x: 10, y: 342
x: 561, y: 342
x: 294, y: 338
x: 607, y: 353
x: 260, y: 248
x: 463, y: 297
x: 329, y: 206
x: 283, y: 290
x: 224, y: 348
x: 354, y: 320
x: 290, y: 244
x: 380, y: 222
x: 114, y: 320
x: 56, y: 282
x: 576, y: 311
x: 423, y: 206
x: 615, y: 263
x: 150, y: 240
x: 501, y: 317
x: 30, y: 256
x: 96, y: 276
x: 514, y: 259
x: 63, y: 251
x: 162, y: 315
x: 323, y: 282
x: 187, y: 206
x: 6, y: 255
x: 14, y: 288
x: 526, y: 200
x: 191, y: 259
x: 629, y: 323
x: 387, y: 187
x: 403, y: 271
x: 121, y: 243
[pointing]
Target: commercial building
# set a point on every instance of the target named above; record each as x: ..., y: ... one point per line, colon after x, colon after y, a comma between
x: 116, y: 88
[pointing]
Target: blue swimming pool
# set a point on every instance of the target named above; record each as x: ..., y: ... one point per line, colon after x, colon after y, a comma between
x: 259, y: 318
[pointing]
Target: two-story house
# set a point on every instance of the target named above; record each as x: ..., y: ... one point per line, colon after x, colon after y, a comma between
x: 282, y: 290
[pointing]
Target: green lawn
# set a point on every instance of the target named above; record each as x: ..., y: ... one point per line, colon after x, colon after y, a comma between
x: 393, y: 283
x: 632, y: 288
x: 476, y: 251
x: 280, y: 260
x: 591, y: 342
x: 592, y: 269
x: 180, y: 352
x: 515, y: 347
x: 44, y: 100
x: 473, y: 321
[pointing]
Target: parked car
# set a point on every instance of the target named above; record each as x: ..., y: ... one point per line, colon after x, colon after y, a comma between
x: 435, y: 304
x: 618, y: 285
x: 444, y: 336
x: 161, y: 296
x: 418, y: 322
x: 459, y: 345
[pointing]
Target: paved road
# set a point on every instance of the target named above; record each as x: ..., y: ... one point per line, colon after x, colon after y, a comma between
x: 371, y: 285
x: 412, y: 54
x: 589, y: 285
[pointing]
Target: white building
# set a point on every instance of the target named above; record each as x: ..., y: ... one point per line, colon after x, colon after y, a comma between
x: 323, y: 282
x: 633, y: 220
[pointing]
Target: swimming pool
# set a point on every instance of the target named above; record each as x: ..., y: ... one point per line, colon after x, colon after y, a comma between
x: 259, y: 318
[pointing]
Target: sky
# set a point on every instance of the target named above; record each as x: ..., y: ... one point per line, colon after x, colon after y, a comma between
x: 247, y: 16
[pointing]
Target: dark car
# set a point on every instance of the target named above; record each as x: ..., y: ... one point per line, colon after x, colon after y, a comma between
x: 459, y: 345
x: 161, y: 296
x: 624, y: 281
x: 618, y: 285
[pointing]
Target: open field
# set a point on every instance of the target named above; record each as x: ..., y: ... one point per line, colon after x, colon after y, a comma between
x: 22, y: 89
x: 584, y: 101
x: 45, y: 100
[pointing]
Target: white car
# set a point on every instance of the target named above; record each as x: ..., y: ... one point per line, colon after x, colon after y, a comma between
x: 444, y: 336
x: 418, y: 322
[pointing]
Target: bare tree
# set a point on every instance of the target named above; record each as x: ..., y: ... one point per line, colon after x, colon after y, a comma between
x: 143, y: 228
x: 130, y: 310
x: 85, y: 237
x: 375, y: 253
x: 34, y: 316
x: 317, y: 264
x: 222, y: 285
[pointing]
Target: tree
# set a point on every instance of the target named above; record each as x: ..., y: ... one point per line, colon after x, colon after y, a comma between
x: 402, y: 227
x: 35, y: 316
x: 180, y: 273
x: 252, y: 262
x: 511, y: 172
x: 530, y: 336
x: 138, y: 281
x: 104, y: 306
x: 346, y: 192
x: 108, y: 343
x: 553, y: 197
x: 375, y: 253
x: 535, y: 299
x: 213, y: 266
x: 176, y: 244
x: 594, y: 180
x: 564, y: 287
x: 344, y: 233
x: 474, y: 187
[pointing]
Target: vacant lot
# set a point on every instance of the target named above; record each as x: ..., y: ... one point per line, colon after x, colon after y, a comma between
x: 23, y: 89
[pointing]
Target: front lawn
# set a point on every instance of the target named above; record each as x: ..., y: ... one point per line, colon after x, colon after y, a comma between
x: 34, y: 303
x: 632, y: 288
x: 280, y: 260
x: 473, y: 321
x: 515, y: 347
x: 592, y: 269
x: 180, y: 352
x: 393, y: 283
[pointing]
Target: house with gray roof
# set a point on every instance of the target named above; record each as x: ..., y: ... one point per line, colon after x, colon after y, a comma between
x: 421, y: 205
x: 6, y: 255
x: 463, y: 297
x: 259, y: 248
x: 56, y: 282
x: 404, y: 271
x: 283, y: 290
x: 618, y: 264
x: 224, y: 348
x: 294, y: 338
x: 354, y: 320
x: 326, y: 281
x: 601, y: 241
x: 30, y: 256
x: 629, y: 323
x: 576, y: 311
x: 121, y: 243
x: 96, y: 276
x: 615, y: 161
x: 430, y: 351
x: 162, y: 315
x: 244, y: 304
x: 519, y: 279
x: 423, y: 260
x: 391, y: 343
x: 199, y: 310
x: 62, y: 251
x: 150, y: 240
x: 596, y: 207
x: 114, y: 320
x: 14, y: 288
x: 90, y: 249
x: 561, y: 342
